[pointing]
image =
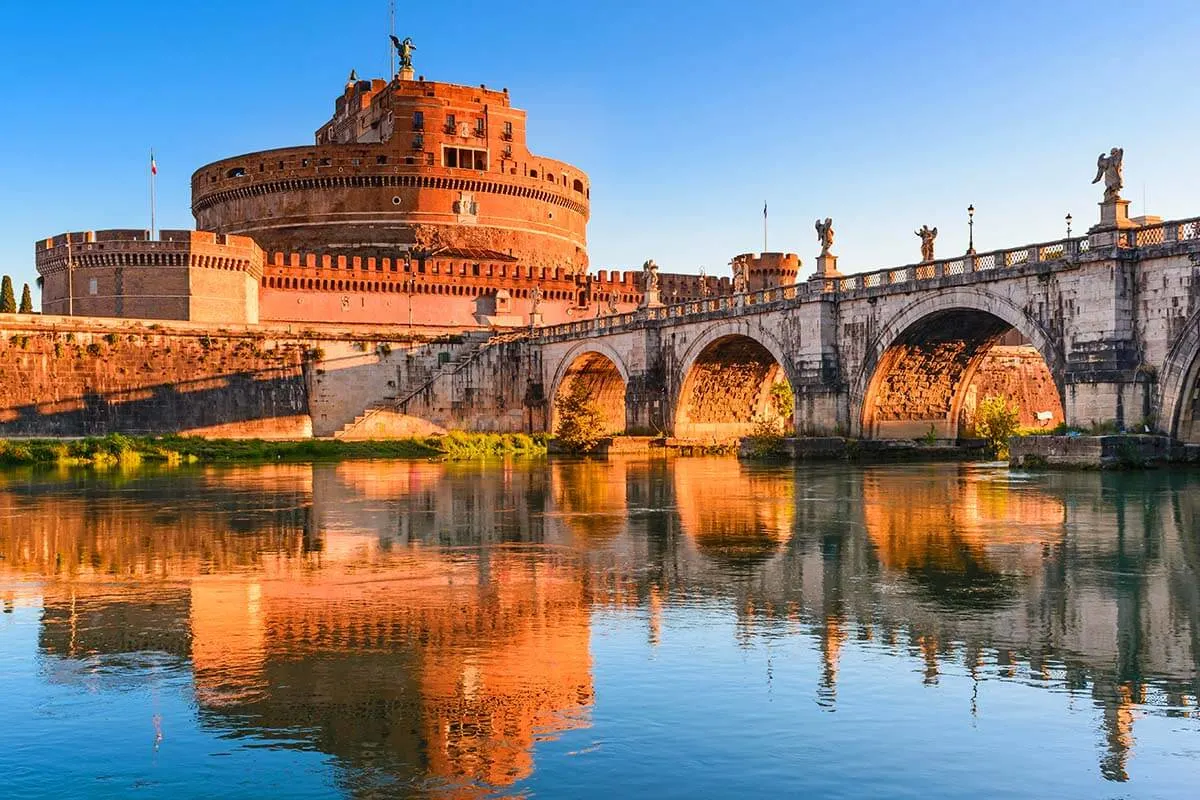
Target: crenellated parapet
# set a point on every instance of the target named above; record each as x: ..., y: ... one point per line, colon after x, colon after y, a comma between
x: 182, y: 275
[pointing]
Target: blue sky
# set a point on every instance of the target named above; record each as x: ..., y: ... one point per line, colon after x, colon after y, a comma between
x: 686, y: 115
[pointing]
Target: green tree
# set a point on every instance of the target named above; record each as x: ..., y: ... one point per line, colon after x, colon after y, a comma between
x: 26, y: 301
x: 996, y: 421
x: 580, y: 424
x: 8, y: 303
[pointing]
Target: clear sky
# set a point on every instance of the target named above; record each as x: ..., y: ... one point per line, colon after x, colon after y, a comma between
x: 686, y: 114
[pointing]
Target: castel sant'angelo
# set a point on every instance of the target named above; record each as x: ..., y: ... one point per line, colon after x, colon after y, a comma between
x: 419, y: 203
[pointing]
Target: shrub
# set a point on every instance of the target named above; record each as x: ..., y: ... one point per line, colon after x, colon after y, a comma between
x: 782, y: 400
x: 996, y: 421
x: 580, y: 425
x: 766, y: 440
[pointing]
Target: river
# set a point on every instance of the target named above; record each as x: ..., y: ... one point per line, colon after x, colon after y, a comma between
x: 692, y: 627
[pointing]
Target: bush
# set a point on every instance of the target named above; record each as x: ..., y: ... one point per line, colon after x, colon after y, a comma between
x: 580, y: 424
x: 996, y: 421
x: 766, y: 441
x: 782, y: 400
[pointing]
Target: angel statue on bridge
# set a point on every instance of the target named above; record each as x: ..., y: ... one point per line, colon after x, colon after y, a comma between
x: 927, y: 235
x: 825, y: 235
x: 650, y: 276
x: 1108, y: 167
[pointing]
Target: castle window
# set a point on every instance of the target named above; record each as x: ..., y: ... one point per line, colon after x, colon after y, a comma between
x: 304, y: 162
x: 418, y: 120
x: 419, y: 142
x: 409, y: 160
x: 508, y: 131
x: 236, y: 172
x: 93, y: 286
x: 479, y: 127
x: 578, y: 186
x: 325, y: 162
x: 380, y: 159
x: 533, y: 173
x: 451, y: 126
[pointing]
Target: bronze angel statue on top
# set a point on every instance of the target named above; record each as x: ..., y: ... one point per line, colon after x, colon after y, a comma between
x: 404, y: 50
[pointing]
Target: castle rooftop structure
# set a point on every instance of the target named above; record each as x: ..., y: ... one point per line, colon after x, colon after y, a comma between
x: 406, y: 166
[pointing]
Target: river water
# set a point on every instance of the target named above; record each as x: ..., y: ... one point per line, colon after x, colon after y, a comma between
x: 684, y: 628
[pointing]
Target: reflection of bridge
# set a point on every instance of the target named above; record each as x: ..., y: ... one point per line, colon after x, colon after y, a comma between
x: 894, y: 353
x: 405, y: 598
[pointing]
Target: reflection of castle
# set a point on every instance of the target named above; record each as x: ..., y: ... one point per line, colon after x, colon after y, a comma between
x: 427, y: 665
x: 397, y: 622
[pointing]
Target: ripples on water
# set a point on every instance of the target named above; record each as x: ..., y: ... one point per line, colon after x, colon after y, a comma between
x: 691, y: 628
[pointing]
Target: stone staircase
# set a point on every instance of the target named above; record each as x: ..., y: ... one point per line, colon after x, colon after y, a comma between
x: 399, y: 407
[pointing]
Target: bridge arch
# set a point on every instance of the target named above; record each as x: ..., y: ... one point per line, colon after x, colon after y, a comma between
x: 603, y: 372
x: 725, y: 384
x: 924, y: 371
x: 1179, y: 402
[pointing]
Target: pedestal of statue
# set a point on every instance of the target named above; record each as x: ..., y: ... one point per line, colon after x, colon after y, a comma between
x: 827, y: 266
x: 651, y: 299
x: 535, y: 319
x: 1114, y: 218
x: 405, y: 74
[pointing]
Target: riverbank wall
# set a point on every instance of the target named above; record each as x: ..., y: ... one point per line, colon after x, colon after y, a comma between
x: 80, y: 376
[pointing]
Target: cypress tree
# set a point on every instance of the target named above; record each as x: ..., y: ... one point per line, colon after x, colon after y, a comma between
x: 26, y: 301
x: 8, y: 303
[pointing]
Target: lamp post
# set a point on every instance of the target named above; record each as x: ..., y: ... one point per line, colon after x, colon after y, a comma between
x: 1068, y: 224
x: 971, y: 229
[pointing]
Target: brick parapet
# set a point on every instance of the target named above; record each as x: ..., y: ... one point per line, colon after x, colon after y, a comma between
x: 135, y: 248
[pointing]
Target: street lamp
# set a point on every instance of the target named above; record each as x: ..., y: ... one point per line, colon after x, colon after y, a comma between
x: 1068, y: 224
x: 971, y: 229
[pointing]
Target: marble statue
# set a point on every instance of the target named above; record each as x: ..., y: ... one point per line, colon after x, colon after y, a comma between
x: 1108, y: 167
x: 825, y: 235
x: 927, y: 235
x: 650, y: 276
x: 741, y: 281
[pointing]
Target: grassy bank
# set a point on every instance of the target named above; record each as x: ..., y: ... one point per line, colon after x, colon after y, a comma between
x: 129, y: 450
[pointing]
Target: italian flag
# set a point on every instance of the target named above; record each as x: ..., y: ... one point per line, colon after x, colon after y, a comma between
x: 153, y: 166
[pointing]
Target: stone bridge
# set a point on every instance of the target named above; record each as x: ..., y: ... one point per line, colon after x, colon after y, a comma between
x: 1115, y: 316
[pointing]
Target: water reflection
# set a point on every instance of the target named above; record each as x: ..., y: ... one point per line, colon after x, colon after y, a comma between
x: 428, y: 625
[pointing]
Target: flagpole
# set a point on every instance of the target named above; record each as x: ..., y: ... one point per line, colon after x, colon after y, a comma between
x: 153, y: 171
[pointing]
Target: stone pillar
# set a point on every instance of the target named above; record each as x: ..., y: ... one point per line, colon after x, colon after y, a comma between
x: 822, y: 405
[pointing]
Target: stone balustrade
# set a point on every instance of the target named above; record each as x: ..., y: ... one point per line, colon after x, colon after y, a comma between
x: 985, y: 264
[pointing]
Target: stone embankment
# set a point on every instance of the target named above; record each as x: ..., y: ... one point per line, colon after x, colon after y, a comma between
x: 77, y: 376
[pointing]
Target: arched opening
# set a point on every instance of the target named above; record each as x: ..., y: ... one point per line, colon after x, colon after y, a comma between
x: 930, y: 381
x: 734, y: 387
x: 600, y: 379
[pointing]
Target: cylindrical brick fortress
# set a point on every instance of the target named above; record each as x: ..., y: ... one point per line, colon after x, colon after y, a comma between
x: 406, y: 167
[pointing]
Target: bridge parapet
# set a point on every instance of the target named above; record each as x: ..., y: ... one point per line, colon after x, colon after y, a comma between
x: 904, y: 278
x: 967, y: 264
x: 724, y: 306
